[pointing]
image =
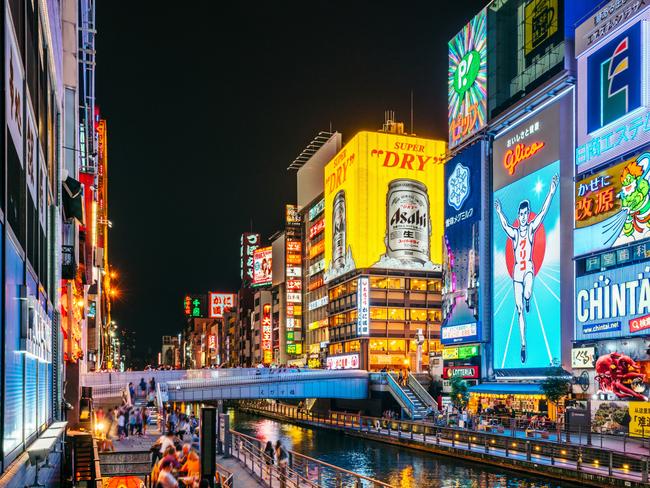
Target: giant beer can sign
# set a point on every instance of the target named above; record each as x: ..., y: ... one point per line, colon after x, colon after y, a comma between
x: 408, y: 226
x: 384, y: 201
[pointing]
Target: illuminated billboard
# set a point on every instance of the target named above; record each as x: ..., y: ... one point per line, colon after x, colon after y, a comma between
x: 614, y: 303
x: 384, y: 204
x: 467, y: 80
x: 612, y: 207
x: 614, y: 113
x: 460, y: 288
x: 262, y: 266
x: 194, y: 306
x: 267, y: 334
x: 220, y: 303
x: 248, y: 243
x: 526, y: 271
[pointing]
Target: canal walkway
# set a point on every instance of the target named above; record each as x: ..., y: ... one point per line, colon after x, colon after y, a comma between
x: 577, y: 463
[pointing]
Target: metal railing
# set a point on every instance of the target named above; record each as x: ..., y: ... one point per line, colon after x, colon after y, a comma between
x: 399, y: 394
x: 572, y: 457
x: 108, y: 391
x: 225, y: 476
x: 301, y: 471
x: 422, y: 393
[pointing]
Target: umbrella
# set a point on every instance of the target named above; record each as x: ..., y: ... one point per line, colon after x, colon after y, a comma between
x: 125, y: 482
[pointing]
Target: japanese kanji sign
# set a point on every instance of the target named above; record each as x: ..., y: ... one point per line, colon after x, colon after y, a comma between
x: 221, y: 303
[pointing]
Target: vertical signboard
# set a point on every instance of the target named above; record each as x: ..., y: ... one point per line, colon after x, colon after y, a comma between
x: 267, y: 334
x: 460, y: 289
x: 363, y: 306
x: 467, y: 80
x: 262, y: 266
x: 613, y: 73
x: 248, y: 243
x: 293, y: 281
x: 526, y: 253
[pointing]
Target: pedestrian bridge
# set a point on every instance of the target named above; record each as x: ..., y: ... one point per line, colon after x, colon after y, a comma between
x: 238, y: 383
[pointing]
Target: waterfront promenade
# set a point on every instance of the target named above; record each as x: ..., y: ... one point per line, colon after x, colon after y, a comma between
x: 572, y: 462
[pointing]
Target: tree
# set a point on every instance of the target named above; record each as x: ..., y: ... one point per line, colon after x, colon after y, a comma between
x: 556, y: 385
x: 459, y: 393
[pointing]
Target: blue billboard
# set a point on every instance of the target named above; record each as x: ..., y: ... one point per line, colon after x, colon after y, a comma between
x: 613, y: 304
x: 526, y: 326
x: 460, y: 287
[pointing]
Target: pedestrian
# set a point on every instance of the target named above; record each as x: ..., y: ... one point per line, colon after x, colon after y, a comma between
x: 127, y: 421
x: 269, y: 453
x: 283, y: 459
x: 120, y: 425
x: 131, y: 391
x: 143, y: 387
x: 145, y: 420
x: 152, y: 384
x: 138, y: 422
x: 133, y: 423
x: 166, y: 478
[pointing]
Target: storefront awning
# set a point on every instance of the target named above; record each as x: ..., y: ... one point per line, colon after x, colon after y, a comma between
x: 508, y: 388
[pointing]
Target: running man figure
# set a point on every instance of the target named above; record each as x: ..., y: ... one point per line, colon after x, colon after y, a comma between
x: 523, y: 238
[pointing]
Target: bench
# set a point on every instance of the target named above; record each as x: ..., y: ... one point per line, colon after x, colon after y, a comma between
x: 42, y: 447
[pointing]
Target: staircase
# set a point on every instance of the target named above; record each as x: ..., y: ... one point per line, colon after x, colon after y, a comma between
x: 419, y: 408
x: 154, y: 413
x: 85, y: 460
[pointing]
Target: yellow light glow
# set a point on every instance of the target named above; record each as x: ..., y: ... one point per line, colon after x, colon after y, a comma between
x: 563, y: 452
x: 537, y: 448
x: 626, y: 466
x: 363, y: 170
x: 514, y: 444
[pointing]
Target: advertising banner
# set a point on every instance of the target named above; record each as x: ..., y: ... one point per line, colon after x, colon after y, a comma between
x: 526, y: 271
x: 248, y: 243
x: 267, y: 334
x: 614, y: 303
x: 467, y: 80
x: 346, y: 361
x: 613, y: 206
x: 459, y: 334
x: 466, y: 372
x: 614, y: 113
x: 639, y: 419
x: 460, y: 289
x: 583, y: 357
x: 195, y: 306
x: 383, y: 204
x: 262, y: 266
x: 220, y: 303
x: 363, y: 306
x: 14, y: 100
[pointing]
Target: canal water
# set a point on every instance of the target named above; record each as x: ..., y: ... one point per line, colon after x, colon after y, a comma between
x: 405, y: 468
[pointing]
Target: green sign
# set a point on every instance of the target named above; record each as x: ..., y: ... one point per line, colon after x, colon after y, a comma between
x: 466, y: 72
x: 290, y: 335
x: 465, y: 352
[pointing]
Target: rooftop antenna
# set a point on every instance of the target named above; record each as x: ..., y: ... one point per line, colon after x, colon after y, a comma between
x: 412, y: 112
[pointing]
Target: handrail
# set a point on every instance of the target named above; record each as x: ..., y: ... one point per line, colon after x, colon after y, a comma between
x: 338, y: 471
x: 227, y: 479
x: 421, y: 392
x: 400, y: 395
x: 584, y: 458
x: 265, y: 378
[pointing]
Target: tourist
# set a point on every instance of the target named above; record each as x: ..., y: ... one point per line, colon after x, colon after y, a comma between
x: 166, y: 478
x: 131, y: 391
x: 138, y: 421
x: 269, y: 453
x: 143, y: 387
x: 283, y: 459
x: 120, y: 425
x: 192, y: 466
x: 132, y: 423
x: 400, y: 378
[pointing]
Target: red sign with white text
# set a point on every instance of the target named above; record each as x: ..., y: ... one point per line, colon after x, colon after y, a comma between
x: 220, y: 303
x: 466, y: 372
x: 267, y: 332
x: 317, y: 228
x: 640, y: 323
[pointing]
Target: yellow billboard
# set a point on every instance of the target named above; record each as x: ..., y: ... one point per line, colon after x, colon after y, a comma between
x: 384, y: 204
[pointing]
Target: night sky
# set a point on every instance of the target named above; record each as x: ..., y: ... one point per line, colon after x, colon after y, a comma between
x: 207, y: 106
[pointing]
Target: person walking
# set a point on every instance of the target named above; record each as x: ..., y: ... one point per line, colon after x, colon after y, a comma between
x: 145, y: 420
x: 269, y: 454
x: 282, y: 456
x: 143, y: 387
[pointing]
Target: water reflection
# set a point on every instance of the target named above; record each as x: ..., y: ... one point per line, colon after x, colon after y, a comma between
x: 399, y: 467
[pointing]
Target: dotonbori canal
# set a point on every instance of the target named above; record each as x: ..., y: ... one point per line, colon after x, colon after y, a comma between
x: 406, y: 468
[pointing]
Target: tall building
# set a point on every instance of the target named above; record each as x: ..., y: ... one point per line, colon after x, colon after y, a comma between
x: 382, y: 258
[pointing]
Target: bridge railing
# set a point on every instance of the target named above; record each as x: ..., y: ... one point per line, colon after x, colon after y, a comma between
x: 302, y: 471
x: 265, y: 377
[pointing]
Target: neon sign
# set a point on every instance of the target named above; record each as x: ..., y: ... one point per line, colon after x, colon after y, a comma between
x: 267, y: 330
x: 520, y: 153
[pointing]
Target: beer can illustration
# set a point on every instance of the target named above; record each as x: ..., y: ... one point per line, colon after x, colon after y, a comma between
x: 339, y: 232
x: 408, y: 225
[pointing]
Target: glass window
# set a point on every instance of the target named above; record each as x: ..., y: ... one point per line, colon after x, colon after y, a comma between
x: 336, y: 348
x: 352, y: 346
x: 396, y: 345
x: 434, y: 315
x: 434, y: 285
x: 378, y: 313
x: 396, y: 283
x: 378, y: 345
x: 416, y: 314
x: 396, y: 314
x: 353, y: 315
x: 378, y: 282
x: 419, y: 285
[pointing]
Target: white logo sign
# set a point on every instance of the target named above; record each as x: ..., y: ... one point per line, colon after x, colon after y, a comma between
x: 458, y: 186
